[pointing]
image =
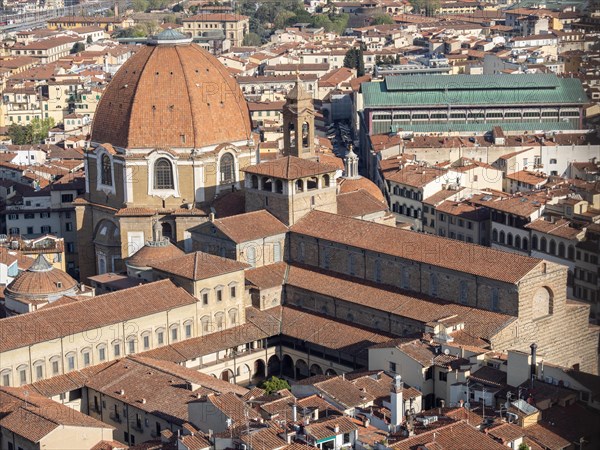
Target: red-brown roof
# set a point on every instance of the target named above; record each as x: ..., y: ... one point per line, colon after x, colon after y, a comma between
x: 199, y: 266
x: 88, y: 314
x: 247, y: 227
x: 171, y: 96
x: 437, y: 251
x: 290, y: 168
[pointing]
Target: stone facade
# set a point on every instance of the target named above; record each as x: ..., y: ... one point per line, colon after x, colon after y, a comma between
x: 538, y: 302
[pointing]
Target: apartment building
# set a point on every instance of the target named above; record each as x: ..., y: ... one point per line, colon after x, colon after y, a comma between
x: 234, y: 26
x: 48, y: 211
x: 47, y: 50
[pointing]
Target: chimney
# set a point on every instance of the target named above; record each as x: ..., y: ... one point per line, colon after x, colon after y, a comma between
x: 397, y: 401
x: 533, y: 362
x: 336, y: 429
x: 211, y: 217
x: 294, y: 412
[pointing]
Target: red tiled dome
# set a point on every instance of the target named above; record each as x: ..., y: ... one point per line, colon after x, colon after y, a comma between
x: 41, y: 280
x: 354, y: 184
x: 173, y: 95
x: 153, y: 252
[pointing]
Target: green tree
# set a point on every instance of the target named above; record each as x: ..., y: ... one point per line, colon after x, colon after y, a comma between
x: 17, y: 134
x: 274, y: 384
x: 89, y: 40
x: 350, y: 60
x: 524, y: 446
x: 382, y: 19
x: 140, y: 5
x: 252, y: 40
x: 39, y: 128
x: 281, y: 19
x: 428, y: 6
x: 77, y: 47
x: 34, y: 133
x: 360, y: 64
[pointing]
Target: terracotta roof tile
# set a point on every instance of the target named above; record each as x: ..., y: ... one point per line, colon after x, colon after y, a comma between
x: 506, y: 432
x: 358, y: 203
x: 246, y: 227
x: 415, y: 175
x: 479, y: 322
x: 437, y: 251
x: 289, y: 168
x: 199, y: 266
x: 50, y: 323
x: 267, y: 276
x: 161, y: 251
x: 171, y: 96
x: 33, y: 416
x: 354, y: 184
x: 327, y: 428
x: 456, y: 436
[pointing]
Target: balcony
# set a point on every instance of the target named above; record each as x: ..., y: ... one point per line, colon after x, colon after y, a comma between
x: 115, y: 417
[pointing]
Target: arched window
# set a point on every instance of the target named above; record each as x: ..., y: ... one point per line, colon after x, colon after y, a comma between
x: 543, y: 244
x: 305, y: 134
x: 534, y: 242
x: 233, y: 314
x: 351, y: 264
x: 525, y: 244
x: 433, y: 284
x: 5, y: 377
x: 163, y: 174
x: 518, y: 241
x: 552, y: 248
x: 205, y: 324
x: 464, y: 292
x: 495, y: 235
x: 502, y: 237
x: 174, y: 333
x: 188, y: 329
x: 571, y: 253
x: 326, y: 180
x: 509, y: 239
x: 38, y: 370
x: 542, y: 304
x: 254, y: 182
x: 219, y: 321
x: 226, y: 167
x: 561, y: 250
x: 101, y: 348
x: 106, y: 171
x: 378, y: 270
x: 167, y: 230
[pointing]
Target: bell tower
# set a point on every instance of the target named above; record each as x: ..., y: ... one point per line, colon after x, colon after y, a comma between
x: 299, y: 123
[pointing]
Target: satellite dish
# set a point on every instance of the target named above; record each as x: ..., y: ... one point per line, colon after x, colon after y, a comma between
x: 446, y: 352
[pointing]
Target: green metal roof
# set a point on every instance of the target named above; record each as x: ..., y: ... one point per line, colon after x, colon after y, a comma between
x: 489, y: 90
x: 471, y: 82
x: 386, y: 127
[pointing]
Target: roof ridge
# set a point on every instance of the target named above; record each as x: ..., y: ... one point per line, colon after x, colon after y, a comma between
x: 88, y: 299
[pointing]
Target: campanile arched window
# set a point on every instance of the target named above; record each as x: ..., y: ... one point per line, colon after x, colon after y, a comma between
x: 226, y: 168
x: 163, y: 174
x: 106, y: 171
